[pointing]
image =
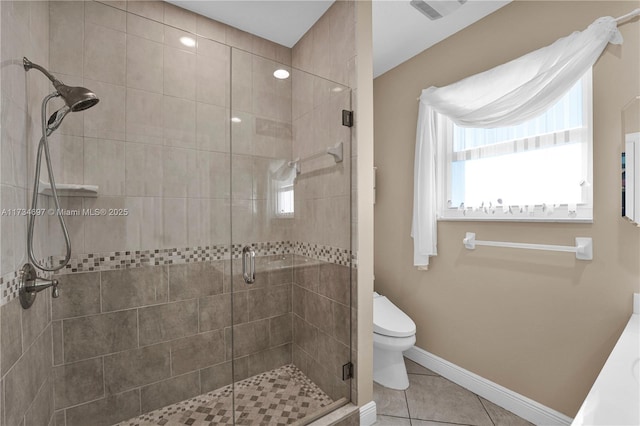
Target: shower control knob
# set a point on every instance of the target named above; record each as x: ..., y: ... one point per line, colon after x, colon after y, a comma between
x: 31, y: 284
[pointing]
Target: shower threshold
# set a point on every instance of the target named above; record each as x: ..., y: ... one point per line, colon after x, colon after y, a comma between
x: 283, y: 396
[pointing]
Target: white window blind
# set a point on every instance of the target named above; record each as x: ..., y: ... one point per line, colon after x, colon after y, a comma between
x: 285, y: 200
x: 539, y: 170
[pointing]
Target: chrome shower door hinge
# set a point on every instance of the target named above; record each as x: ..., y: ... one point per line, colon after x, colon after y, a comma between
x: 347, y: 371
x: 347, y: 118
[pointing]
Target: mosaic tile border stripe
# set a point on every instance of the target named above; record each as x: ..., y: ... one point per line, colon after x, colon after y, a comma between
x: 138, y: 258
x: 325, y: 253
x: 9, y: 287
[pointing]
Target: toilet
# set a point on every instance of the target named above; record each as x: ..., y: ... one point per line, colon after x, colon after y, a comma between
x: 393, y: 333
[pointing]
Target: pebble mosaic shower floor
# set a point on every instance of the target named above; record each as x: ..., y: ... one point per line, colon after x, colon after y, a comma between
x: 278, y: 397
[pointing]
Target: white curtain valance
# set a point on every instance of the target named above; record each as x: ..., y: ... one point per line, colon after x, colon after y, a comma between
x: 506, y: 95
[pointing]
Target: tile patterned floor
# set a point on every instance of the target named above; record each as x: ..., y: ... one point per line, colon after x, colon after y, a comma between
x: 277, y: 397
x: 432, y: 400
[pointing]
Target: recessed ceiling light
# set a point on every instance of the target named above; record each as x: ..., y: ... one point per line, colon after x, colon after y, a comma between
x: 236, y: 119
x: 281, y: 74
x: 187, y: 41
x: 337, y: 89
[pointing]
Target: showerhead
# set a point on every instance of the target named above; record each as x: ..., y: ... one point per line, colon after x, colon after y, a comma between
x: 76, y: 98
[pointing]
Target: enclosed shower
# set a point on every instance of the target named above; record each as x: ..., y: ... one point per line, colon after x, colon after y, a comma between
x: 197, y: 221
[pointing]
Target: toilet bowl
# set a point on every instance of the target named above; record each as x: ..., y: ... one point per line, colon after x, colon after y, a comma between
x: 393, y: 333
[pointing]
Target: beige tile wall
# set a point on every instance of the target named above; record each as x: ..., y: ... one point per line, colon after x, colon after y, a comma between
x: 321, y: 323
x: 25, y: 350
x: 324, y: 63
x: 328, y: 49
x: 25, y: 336
x: 166, y: 155
x: 162, y: 334
x: 322, y: 190
x: 323, y: 77
x: 158, y: 143
x: 25, y: 32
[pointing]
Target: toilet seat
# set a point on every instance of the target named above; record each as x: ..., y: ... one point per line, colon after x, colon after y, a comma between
x: 389, y: 320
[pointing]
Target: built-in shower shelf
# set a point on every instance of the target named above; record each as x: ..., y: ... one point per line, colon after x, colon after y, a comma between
x: 69, y: 190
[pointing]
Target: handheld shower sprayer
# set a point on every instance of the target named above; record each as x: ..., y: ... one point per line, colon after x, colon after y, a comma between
x: 56, y: 119
x: 75, y: 99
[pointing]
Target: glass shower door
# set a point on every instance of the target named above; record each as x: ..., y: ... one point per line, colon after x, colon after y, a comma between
x: 290, y: 235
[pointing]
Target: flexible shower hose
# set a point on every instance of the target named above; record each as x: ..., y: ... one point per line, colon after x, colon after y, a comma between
x: 44, y: 145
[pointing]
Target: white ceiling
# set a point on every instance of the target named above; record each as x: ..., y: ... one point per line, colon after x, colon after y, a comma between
x: 281, y: 21
x: 399, y: 31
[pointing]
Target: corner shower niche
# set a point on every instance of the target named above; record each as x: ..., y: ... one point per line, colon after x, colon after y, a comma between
x: 199, y: 144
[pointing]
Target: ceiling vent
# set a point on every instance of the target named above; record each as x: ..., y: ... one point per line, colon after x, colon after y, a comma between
x: 436, y: 9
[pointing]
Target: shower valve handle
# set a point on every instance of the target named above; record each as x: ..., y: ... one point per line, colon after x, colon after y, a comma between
x: 44, y: 284
x: 31, y: 284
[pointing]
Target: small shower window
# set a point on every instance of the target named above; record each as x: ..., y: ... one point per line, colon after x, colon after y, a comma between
x: 285, y: 201
x: 538, y: 170
x: 281, y: 190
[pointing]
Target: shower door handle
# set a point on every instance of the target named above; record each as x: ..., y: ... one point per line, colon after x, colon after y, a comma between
x: 248, y: 264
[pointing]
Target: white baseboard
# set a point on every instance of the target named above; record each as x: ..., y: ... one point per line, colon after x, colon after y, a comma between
x: 368, y: 414
x: 518, y: 404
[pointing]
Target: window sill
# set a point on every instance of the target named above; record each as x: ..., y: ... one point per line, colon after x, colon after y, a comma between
x: 583, y: 213
x: 517, y: 219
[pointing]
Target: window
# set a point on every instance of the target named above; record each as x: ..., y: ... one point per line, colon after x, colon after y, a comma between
x: 280, y: 202
x: 539, y: 170
x: 284, y: 200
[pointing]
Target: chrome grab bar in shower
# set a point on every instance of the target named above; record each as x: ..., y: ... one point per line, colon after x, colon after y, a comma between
x: 248, y: 257
x: 334, y: 151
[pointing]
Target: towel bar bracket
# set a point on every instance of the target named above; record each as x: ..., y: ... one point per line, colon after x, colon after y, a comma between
x: 584, y: 249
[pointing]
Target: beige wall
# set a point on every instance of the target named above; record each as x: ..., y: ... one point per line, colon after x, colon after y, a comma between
x: 631, y: 116
x: 541, y: 324
x: 364, y: 211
